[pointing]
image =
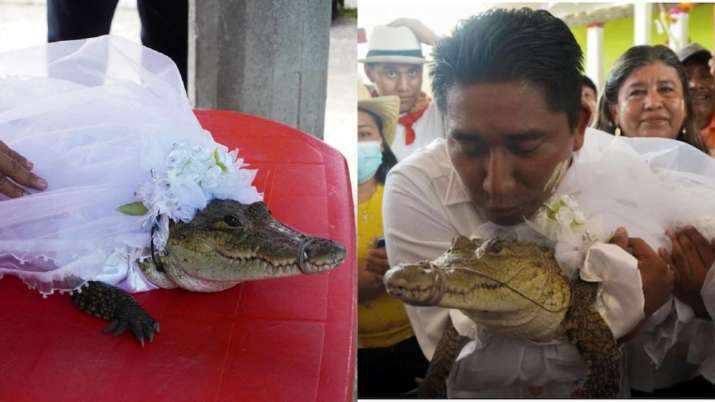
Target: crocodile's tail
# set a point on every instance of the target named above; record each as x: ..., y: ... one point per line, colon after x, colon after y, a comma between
x: 594, y: 340
x: 434, y: 385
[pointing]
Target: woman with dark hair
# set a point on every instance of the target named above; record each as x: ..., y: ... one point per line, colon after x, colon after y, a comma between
x: 389, y: 358
x: 647, y: 95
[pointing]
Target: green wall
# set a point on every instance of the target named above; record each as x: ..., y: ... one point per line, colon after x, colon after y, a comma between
x: 618, y: 34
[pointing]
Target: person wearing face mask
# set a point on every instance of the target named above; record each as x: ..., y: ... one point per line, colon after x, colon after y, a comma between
x: 389, y: 358
x: 647, y: 95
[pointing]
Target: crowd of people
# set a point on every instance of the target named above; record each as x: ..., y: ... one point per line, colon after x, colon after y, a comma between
x: 511, y: 109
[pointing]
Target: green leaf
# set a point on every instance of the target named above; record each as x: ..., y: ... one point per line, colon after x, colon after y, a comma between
x: 218, y: 162
x: 133, y: 208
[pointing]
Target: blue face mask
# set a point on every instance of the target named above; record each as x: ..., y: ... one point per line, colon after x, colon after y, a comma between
x: 369, y: 159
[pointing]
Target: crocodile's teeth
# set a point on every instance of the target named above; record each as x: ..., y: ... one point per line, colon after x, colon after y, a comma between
x: 400, y: 282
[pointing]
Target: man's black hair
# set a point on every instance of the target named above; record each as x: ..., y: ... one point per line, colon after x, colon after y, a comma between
x: 525, y: 46
x: 589, y: 83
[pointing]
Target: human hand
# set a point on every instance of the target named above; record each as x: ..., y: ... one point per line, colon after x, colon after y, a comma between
x: 691, y: 257
x: 15, y: 173
x: 377, y: 261
x: 423, y: 34
x: 711, y: 64
x: 656, y: 275
x: 370, y: 285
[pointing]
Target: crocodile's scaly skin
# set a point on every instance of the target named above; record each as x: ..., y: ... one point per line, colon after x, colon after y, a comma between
x: 110, y: 303
x: 514, y: 289
x: 224, y: 244
x: 229, y: 242
x: 594, y: 340
x: 434, y: 385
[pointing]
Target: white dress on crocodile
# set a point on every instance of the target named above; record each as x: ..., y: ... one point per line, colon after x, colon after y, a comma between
x: 107, y: 123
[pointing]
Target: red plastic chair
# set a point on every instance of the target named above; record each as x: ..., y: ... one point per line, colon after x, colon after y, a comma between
x: 290, y: 339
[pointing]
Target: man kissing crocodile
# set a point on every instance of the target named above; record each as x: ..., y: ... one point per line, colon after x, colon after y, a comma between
x: 508, y: 83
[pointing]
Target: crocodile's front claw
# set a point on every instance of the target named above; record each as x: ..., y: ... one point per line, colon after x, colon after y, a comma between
x: 132, y: 316
x: 119, y: 307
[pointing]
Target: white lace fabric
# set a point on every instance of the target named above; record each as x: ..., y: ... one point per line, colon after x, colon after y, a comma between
x: 102, y: 120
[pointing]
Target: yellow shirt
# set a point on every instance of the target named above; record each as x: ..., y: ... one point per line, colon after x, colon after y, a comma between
x: 382, y: 321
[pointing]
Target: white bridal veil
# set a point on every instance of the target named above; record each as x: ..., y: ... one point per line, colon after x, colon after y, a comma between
x: 107, y: 123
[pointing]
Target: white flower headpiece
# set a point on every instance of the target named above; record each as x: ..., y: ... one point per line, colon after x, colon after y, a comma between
x: 193, y: 176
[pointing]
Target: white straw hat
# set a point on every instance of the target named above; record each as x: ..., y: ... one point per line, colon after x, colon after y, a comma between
x: 393, y: 45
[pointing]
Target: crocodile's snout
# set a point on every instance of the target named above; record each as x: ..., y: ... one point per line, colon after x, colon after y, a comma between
x: 316, y: 255
x: 418, y: 284
x: 229, y: 242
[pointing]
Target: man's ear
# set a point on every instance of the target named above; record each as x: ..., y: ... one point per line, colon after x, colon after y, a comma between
x: 584, y: 116
x: 369, y: 72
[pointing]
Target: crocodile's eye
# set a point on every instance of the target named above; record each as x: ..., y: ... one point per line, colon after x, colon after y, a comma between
x: 232, y: 220
x: 494, y: 246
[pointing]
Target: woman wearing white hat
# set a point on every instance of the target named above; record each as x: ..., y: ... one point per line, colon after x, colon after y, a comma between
x: 389, y: 358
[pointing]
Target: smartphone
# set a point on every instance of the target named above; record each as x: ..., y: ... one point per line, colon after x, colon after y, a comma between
x: 379, y: 242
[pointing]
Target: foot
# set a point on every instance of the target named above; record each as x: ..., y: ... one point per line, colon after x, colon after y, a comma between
x: 118, y: 306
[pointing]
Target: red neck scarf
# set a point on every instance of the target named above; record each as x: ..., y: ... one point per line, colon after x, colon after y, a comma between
x: 410, y: 118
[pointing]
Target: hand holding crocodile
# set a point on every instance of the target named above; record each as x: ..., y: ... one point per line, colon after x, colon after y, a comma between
x: 656, y: 276
x: 691, y: 258
x: 620, y: 238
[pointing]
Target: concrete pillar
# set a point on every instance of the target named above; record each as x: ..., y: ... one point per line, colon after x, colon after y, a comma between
x: 264, y: 57
x: 594, y: 53
x: 642, y: 23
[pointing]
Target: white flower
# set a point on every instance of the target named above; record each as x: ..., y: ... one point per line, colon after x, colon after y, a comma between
x: 177, y: 158
x: 193, y: 176
x: 562, y: 221
x: 211, y: 178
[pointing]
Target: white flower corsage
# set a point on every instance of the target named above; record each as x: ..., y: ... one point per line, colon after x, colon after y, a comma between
x: 193, y: 176
x: 562, y: 221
